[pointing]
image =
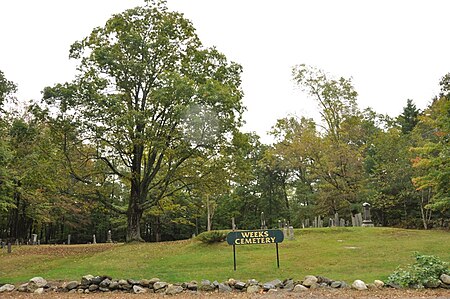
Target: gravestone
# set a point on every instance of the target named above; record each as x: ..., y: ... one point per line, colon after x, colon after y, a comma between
x: 263, y: 221
x: 336, y: 219
x: 358, y: 219
x: 9, y: 247
x: 34, y: 239
x: 94, y: 241
x: 291, y: 232
x: 367, y: 222
x: 108, y: 237
x: 342, y: 222
x: 68, y: 239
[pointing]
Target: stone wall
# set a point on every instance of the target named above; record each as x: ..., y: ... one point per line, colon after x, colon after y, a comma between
x: 92, y: 284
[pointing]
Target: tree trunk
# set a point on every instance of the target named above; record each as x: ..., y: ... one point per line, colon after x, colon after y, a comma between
x: 134, y: 216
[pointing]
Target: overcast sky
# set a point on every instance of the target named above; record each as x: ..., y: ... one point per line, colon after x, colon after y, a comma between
x: 393, y: 50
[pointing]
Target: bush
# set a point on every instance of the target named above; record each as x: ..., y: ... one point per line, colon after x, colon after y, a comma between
x: 213, y: 236
x: 424, y: 272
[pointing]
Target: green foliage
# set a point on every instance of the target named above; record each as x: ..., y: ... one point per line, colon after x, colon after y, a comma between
x: 426, y: 270
x: 213, y: 236
x: 409, y: 118
x: 7, y: 88
x: 154, y: 101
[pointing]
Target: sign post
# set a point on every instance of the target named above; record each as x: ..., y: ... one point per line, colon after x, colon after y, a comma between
x: 263, y: 236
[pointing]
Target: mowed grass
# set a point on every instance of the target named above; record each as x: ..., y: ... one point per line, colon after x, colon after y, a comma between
x: 337, y: 253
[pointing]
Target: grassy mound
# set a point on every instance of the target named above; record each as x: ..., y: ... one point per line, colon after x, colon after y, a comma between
x: 338, y: 253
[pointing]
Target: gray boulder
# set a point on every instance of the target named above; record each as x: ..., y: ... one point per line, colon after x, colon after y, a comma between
x: 309, y: 281
x: 192, y: 286
x: 39, y: 291
x: 336, y: 284
x: 253, y: 289
x: 71, y: 285
x: 223, y: 288
x: 207, y: 286
x: 7, y: 288
x: 433, y: 284
x: 445, y: 278
x: 231, y: 282
x: 114, y: 285
x: 93, y: 288
x: 268, y: 286
x: 252, y: 282
x: 323, y: 279
x: 105, y: 283
x: 152, y: 281
x: 174, y: 289
x: 97, y: 280
x: 138, y: 289
x: 86, y: 280
x: 133, y: 282
x: 239, y: 285
x: 144, y: 282
x: 288, y: 285
x: 378, y: 283
x: 124, y: 285
x: 299, y: 288
x: 157, y: 286
x: 359, y: 285
x: 344, y: 285
x: 36, y: 283
x: 276, y: 283
x: 23, y: 287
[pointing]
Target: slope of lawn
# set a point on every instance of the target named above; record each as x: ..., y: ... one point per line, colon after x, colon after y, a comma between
x: 337, y: 253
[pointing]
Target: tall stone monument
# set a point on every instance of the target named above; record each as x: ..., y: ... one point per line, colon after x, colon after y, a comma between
x: 367, y: 222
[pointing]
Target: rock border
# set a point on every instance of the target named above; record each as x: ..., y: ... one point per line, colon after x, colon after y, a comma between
x: 95, y: 284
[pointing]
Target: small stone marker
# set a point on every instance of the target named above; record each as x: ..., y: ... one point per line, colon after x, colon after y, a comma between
x: 263, y: 221
x: 94, y: 241
x: 9, y: 247
x: 68, y: 239
x: 108, y: 237
x: 291, y: 233
x: 34, y: 238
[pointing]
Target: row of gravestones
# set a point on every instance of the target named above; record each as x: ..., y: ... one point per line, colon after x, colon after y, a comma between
x: 34, y: 241
x: 356, y: 220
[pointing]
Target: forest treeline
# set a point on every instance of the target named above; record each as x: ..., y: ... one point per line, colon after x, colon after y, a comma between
x: 146, y: 141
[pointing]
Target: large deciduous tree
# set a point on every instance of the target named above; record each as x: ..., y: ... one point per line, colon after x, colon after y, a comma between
x: 149, y: 97
x: 338, y: 160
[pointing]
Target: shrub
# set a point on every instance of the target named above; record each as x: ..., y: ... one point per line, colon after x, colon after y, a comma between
x: 424, y: 272
x: 213, y: 236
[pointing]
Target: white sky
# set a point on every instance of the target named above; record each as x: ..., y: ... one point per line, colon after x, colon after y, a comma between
x: 393, y: 50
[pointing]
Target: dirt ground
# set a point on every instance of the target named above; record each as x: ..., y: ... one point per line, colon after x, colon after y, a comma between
x: 314, y: 294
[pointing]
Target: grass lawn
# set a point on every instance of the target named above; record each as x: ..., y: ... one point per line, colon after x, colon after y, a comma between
x: 337, y: 253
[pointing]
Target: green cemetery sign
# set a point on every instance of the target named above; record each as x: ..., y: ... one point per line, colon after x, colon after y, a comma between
x: 263, y: 236
x: 266, y: 236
